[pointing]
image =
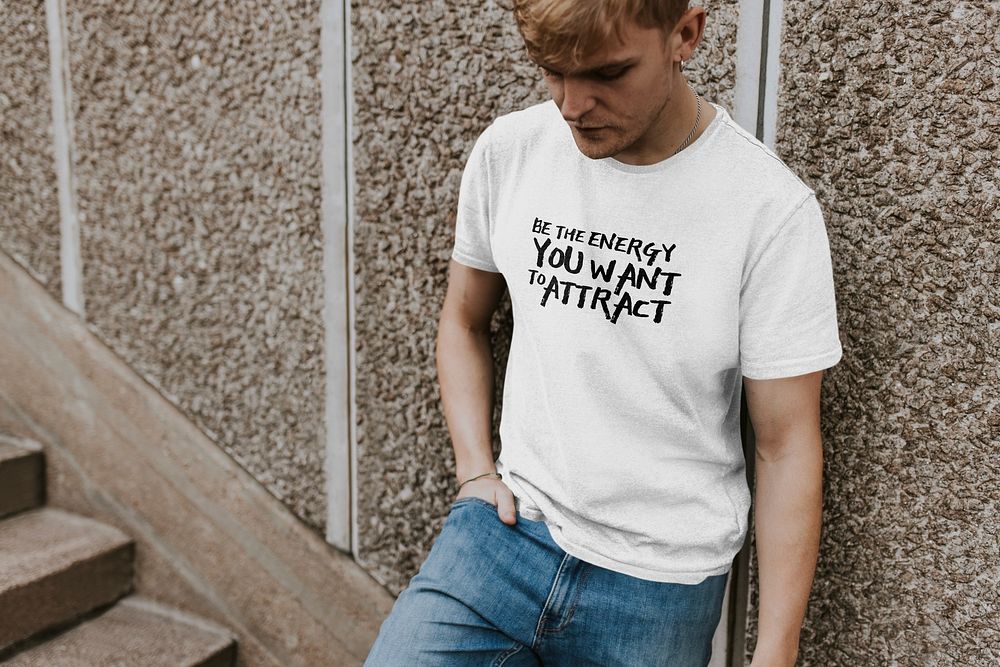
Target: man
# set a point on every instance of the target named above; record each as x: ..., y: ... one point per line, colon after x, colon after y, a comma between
x: 658, y: 257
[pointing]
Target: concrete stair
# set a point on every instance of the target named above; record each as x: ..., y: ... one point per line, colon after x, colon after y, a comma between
x: 22, y: 473
x: 66, y: 595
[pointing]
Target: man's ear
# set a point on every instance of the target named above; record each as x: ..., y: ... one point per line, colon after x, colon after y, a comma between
x: 688, y: 31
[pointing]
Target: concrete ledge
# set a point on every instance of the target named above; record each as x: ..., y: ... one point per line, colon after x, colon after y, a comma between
x: 209, y: 538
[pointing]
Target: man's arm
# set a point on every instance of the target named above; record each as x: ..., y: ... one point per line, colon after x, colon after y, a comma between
x: 789, y: 504
x: 464, y: 359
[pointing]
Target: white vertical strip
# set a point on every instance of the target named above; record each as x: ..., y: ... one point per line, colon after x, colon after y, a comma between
x: 338, y: 316
x: 758, y: 42
x: 750, y: 55
x: 746, y: 95
x: 772, y: 71
x: 749, y: 36
x: 347, y: 93
x: 71, y: 273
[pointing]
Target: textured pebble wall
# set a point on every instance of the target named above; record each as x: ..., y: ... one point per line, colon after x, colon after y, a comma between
x: 428, y: 77
x: 198, y: 181
x: 890, y: 110
x: 197, y: 172
x: 29, y: 201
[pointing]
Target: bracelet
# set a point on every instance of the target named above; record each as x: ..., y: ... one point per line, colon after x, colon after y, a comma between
x: 485, y: 474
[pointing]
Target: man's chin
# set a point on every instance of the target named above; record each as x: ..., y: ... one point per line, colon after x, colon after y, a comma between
x: 595, y: 150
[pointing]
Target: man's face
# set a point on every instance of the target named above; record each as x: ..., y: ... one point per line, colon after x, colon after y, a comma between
x: 624, y: 89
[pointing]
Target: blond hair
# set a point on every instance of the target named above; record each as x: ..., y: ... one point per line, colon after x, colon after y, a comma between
x: 563, y: 32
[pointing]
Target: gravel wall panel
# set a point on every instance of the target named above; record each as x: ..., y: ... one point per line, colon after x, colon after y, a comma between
x: 198, y: 178
x: 889, y: 109
x: 29, y: 199
x: 428, y: 77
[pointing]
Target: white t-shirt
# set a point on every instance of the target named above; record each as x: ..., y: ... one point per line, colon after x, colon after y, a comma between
x: 640, y: 296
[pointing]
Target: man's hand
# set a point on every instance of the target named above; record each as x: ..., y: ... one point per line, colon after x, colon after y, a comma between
x: 495, y: 492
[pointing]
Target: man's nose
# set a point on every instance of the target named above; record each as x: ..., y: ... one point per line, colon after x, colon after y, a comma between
x: 577, y: 99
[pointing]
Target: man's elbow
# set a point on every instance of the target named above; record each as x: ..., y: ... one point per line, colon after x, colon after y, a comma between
x: 805, y: 441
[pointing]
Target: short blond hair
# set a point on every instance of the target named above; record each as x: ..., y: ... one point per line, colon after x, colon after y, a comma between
x: 563, y: 32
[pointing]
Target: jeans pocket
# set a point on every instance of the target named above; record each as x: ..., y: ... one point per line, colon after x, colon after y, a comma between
x: 467, y: 500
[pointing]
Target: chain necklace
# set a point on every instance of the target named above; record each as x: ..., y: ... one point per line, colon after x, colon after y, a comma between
x: 697, y: 120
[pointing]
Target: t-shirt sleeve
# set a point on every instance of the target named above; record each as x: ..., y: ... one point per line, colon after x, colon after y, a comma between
x: 473, y: 221
x: 788, y: 311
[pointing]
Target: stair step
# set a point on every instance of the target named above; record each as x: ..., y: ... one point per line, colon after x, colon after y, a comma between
x: 56, y: 566
x: 135, y: 631
x: 22, y: 475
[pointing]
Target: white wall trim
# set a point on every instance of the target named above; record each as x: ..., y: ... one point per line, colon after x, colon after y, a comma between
x: 70, y: 266
x: 749, y: 38
x: 348, y: 93
x: 758, y: 44
x: 758, y: 40
x: 338, y: 272
x: 772, y: 71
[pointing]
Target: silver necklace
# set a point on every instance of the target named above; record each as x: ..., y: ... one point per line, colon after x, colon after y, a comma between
x: 697, y: 120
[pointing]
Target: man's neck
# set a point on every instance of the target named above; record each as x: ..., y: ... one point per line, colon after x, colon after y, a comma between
x: 683, y: 111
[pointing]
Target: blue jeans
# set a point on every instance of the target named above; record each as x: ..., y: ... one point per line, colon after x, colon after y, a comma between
x: 491, y: 594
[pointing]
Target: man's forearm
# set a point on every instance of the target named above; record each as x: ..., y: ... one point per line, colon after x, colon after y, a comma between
x: 465, y: 373
x: 787, y: 518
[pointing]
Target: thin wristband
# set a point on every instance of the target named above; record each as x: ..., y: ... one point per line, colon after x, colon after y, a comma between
x: 485, y: 474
